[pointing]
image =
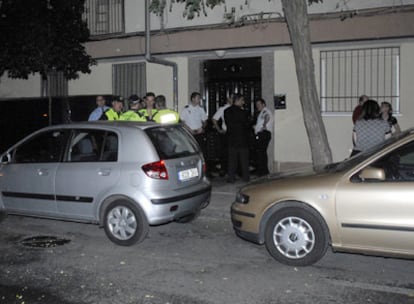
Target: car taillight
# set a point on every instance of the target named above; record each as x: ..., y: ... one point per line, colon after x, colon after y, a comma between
x: 156, y: 170
x: 204, y: 168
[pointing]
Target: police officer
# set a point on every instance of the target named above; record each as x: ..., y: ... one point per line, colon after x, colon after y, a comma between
x: 194, y: 116
x: 133, y: 114
x: 263, y: 134
x: 195, y: 119
x: 165, y: 115
x: 150, y: 111
x: 113, y: 113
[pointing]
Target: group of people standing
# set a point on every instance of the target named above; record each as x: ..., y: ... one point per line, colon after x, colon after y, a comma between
x: 236, y: 126
x: 150, y: 108
x: 232, y: 121
x: 372, y: 124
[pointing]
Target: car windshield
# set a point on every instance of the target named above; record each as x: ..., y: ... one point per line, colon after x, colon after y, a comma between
x: 360, y: 157
x: 172, y: 142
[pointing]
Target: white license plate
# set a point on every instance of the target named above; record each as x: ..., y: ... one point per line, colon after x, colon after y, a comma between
x: 187, y: 174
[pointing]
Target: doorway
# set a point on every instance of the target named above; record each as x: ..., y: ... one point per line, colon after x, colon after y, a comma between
x: 222, y: 78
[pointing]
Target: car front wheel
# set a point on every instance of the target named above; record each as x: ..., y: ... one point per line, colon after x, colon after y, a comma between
x: 296, y: 237
x: 124, y: 223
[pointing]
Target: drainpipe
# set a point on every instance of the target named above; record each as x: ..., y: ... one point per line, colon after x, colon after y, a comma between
x: 150, y: 58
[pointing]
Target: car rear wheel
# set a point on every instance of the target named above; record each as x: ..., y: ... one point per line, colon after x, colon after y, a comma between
x: 125, y: 224
x: 297, y: 237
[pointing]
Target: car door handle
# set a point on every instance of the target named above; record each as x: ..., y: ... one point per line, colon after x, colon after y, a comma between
x: 43, y: 172
x: 104, y: 172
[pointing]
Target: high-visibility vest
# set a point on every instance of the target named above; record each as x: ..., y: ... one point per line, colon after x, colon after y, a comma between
x: 144, y: 112
x: 110, y: 114
x: 131, y: 115
x: 167, y: 116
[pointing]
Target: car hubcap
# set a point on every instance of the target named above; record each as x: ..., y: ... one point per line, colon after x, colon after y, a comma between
x: 293, y: 237
x: 122, y: 223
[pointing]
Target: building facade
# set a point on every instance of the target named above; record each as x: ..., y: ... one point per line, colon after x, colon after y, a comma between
x: 359, y: 47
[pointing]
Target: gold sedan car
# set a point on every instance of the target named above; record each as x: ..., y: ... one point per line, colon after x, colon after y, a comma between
x: 364, y: 204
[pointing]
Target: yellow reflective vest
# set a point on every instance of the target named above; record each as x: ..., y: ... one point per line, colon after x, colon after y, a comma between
x: 167, y: 116
x: 144, y: 113
x: 110, y: 114
x: 132, y: 116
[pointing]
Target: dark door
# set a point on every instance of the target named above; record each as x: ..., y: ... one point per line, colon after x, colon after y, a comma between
x: 227, y: 76
x: 224, y: 77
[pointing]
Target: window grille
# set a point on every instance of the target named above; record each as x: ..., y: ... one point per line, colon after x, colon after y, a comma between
x: 128, y: 79
x: 347, y: 74
x: 104, y: 16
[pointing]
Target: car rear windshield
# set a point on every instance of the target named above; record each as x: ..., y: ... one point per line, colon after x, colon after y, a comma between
x: 172, y: 141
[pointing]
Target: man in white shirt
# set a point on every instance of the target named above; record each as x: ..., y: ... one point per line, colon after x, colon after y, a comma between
x: 194, y: 116
x: 263, y: 135
x: 217, y: 118
x: 195, y: 119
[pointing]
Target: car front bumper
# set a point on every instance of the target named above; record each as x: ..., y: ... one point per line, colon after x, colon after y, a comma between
x: 244, y: 224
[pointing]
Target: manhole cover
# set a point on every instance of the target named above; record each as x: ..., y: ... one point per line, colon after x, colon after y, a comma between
x: 43, y: 241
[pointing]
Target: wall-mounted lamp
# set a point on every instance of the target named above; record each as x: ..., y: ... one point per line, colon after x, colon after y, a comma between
x: 220, y: 53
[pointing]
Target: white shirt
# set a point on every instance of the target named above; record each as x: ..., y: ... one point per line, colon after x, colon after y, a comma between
x: 261, y: 124
x: 193, y: 116
x: 220, y: 115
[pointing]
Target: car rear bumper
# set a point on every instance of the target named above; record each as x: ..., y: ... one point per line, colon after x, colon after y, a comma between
x: 168, y: 209
x: 178, y: 198
x: 3, y: 214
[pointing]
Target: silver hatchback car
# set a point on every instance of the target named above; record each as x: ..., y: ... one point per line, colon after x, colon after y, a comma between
x: 123, y: 176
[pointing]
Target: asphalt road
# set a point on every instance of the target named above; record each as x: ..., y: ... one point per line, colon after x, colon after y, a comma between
x: 201, y: 262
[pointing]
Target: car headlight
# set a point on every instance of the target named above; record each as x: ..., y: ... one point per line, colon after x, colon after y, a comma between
x: 242, y: 198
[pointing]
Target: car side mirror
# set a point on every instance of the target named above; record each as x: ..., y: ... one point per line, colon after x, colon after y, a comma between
x: 6, y: 158
x: 372, y: 174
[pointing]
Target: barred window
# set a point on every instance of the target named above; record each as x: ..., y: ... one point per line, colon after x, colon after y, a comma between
x: 128, y: 79
x: 104, y: 16
x: 347, y: 74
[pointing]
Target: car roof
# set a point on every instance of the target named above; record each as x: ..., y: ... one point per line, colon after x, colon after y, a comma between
x: 114, y: 125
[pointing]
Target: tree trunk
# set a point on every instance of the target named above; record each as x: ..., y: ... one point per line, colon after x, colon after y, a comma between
x: 49, y: 97
x: 296, y: 14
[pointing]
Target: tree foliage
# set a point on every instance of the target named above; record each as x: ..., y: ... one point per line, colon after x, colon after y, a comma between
x: 40, y: 36
x: 193, y: 7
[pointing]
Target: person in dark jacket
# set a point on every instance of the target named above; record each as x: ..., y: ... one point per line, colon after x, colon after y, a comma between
x: 238, y: 127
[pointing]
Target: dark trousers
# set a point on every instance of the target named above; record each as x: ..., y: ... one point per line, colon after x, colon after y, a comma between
x: 238, y: 157
x: 224, y: 151
x: 262, y: 142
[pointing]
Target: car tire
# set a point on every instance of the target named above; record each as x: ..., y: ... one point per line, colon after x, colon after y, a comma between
x: 125, y: 223
x: 296, y: 236
x: 188, y: 218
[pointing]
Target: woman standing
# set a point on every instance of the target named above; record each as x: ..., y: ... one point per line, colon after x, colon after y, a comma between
x: 370, y: 129
x: 386, y: 114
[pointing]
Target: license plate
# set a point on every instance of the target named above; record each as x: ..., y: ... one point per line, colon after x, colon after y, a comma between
x: 187, y: 174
